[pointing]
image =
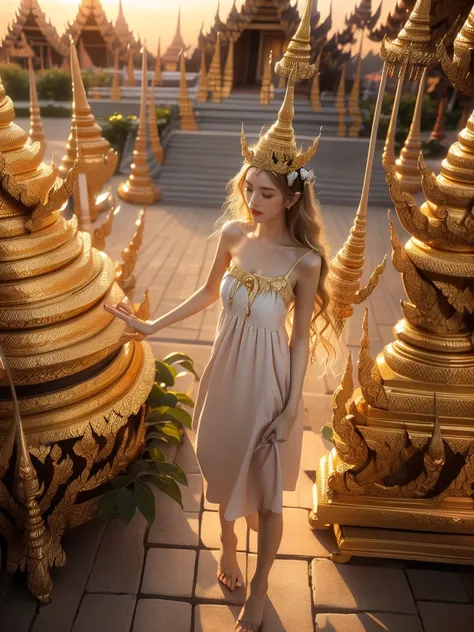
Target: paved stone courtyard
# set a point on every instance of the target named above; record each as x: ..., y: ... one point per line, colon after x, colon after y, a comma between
x: 130, y: 578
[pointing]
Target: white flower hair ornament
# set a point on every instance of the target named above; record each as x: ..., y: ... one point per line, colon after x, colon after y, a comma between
x: 306, y: 176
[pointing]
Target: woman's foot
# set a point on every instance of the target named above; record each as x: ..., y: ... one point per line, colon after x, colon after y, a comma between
x: 228, y: 571
x: 251, y: 616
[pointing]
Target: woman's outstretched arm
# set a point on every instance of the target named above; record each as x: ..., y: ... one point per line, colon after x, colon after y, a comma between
x: 205, y: 295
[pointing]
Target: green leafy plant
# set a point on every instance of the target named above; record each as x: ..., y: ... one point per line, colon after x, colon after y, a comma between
x: 16, y: 82
x: 116, y: 130
x: 166, y: 420
x: 55, y: 85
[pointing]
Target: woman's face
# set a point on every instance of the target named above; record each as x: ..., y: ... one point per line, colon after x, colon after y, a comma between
x: 264, y: 198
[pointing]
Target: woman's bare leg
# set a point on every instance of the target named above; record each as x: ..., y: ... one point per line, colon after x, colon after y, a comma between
x: 270, y: 531
x: 228, y: 571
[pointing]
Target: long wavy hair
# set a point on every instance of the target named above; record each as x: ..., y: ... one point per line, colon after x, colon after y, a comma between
x: 305, y: 225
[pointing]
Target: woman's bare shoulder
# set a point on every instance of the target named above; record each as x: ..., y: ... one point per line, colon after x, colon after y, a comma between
x: 235, y: 228
x: 311, y: 262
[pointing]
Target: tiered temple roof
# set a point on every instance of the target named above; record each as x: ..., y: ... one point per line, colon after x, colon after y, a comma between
x: 97, y: 33
x: 170, y: 58
x: 39, y: 33
x: 123, y: 31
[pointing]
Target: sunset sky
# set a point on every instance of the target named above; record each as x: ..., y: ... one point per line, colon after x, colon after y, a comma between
x: 154, y: 18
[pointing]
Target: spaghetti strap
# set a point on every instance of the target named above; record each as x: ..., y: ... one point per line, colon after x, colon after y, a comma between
x: 296, y: 263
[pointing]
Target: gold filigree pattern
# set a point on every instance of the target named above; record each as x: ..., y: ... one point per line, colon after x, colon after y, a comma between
x: 369, y: 376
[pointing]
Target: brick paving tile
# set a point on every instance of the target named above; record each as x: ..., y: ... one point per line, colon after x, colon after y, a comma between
x: 172, y: 525
x: 211, y: 529
x: 288, y: 604
x: 209, y: 587
x: 468, y: 583
x: 436, y: 586
x: 18, y: 607
x: 186, y: 458
x: 162, y: 615
x: 207, y: 505
x: 107, y: 613
x: 339, y: 587
x: 81, y: 547
x: 298, y: 537
x: 169, y: 572
x: 211, y: 618
x: 119, y: 562
x: 439, y: 617
x: 192, y: 493
x: 367, y: 622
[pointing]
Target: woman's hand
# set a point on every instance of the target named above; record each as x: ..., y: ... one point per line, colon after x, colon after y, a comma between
x: 280, y: 427
x: 136, y: 329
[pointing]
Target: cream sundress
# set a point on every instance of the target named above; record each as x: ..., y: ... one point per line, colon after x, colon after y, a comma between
x: 243, y: 388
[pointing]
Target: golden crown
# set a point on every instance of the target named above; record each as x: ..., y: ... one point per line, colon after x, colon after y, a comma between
x: 276, y: 149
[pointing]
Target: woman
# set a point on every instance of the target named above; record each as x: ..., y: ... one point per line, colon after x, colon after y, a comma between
x: 269, y: 270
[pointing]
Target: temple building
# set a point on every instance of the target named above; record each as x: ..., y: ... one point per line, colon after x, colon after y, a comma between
x: 170, y: 58
x: 92, y: 31
x: 123, y: 31
x: 30, y: 25
x: 260, y: 26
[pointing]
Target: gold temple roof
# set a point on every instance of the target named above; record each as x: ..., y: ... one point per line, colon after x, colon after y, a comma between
x: 90, y: 13
x: 31, y: 20
x: 176, y: 45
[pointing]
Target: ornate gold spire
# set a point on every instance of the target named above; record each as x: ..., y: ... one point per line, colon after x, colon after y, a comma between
x: 97, y: 159
x: 130, y: 81
x: 203, y: 87
x: 228, y: 78
x: 354, y: 98
x: 413, y: 43
x: 171, y: 55
x: 186, y: 110
x: 139, y: 188
x: 83, y: 392
x: 315, y: 96
x: 158, y: 78
x: 341, y: 102
x: 458, y: 69
x: 214, y: 77
x: 124, y: 271
x: 266, y: 80
x: 407, y: 165
x: 153, y: 125
x: 276, y: 149
x: 115, y: 93
x: 36, y: 132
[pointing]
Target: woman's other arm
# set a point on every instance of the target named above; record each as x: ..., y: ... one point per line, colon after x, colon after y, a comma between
x: 306, y: 289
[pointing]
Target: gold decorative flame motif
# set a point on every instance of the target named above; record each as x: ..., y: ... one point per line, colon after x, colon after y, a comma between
x: 82, y: 393
x: 404, y: 441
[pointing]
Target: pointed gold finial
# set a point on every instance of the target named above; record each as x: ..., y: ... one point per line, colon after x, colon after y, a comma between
x: 97, y: 159
x: 315, y: 96
x: 228, y: 78
x: 276, y: 150
x: 139, y: 188
x: 266, y: 81
x: 130, y: 81
x: 115, y: 93
x: 153, y: 125
x: 299, y: 49
x: 214, y: 77
x: 341, y: 102
x: 203, y: 81
x: 158, y: 78
x: 36, y: 132
x: 413, y: 44
x: 186, y: 111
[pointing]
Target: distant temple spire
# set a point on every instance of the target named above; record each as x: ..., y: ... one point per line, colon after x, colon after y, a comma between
x: 170, y: 58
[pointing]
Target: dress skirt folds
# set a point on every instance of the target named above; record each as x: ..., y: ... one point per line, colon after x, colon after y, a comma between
x: 243, y: 388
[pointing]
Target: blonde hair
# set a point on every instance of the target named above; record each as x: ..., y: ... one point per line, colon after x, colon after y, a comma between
x: 305, y: 225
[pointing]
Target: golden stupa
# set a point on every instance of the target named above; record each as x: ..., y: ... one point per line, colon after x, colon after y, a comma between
x: 78, y: 419
x: 398, y: 482
x: 97, y: 159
